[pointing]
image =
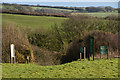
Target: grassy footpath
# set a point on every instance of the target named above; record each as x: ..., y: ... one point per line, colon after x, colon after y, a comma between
x: 32, y: 21
x: 101, y: 68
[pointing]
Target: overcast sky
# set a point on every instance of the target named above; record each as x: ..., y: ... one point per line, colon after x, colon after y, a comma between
x: 59, y: 1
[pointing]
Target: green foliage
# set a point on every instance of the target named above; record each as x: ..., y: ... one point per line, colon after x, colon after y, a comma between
x: 52, y: 11
x: 22, y: 9
x: 78, y: 24
x: 45, y: 41
x: 75, y: 27
x: 113, y: 17
x: 60, y: 36
x: 16, y: 8
x: 101, y: 68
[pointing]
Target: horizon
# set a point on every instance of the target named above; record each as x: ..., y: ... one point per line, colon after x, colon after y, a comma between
x: 68, y: 4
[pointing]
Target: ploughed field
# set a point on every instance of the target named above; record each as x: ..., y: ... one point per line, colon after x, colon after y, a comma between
x: 100, y: 68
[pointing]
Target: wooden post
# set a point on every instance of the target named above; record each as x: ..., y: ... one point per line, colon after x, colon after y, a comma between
x: 14, y: 60
x: 11, y: 59
x: 80, y: 55
x: 89, y: 56
x: 107, y: 54
x: 100, y: 56
x: 93, y: 49
x: 84, y: 53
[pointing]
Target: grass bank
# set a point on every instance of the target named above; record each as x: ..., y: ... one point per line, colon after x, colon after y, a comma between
x: 101, y: 68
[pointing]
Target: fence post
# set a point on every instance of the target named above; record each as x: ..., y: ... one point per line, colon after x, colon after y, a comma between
x: 80, y: 56
x: 84, y: 53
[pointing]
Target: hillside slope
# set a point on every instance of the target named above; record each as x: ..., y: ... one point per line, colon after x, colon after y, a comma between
x: 101, y: 68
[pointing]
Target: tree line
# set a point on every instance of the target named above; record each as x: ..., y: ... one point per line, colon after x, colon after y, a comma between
x: 28, y: 8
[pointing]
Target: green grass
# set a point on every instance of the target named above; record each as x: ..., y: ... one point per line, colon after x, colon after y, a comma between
x: 41, y: 21
x: 101, y: 68
x: 32, y: 21
x: 97, y: 14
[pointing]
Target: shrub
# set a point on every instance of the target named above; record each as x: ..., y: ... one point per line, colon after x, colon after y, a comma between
x: 101, y: 39
x: 113, y: 17
x: 72, y: 52
x: 12, y: 35
x: 45, y: 57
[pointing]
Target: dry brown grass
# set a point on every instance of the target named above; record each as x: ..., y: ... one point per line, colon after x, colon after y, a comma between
x: 13, y: 35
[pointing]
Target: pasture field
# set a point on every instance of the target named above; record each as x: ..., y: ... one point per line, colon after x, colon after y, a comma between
x: 32, y: 21
x: 100, y: 68
x: 41, y: 21
x: 97, y: 14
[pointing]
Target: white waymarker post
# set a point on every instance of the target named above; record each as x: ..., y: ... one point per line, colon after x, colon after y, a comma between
x: 12, y: 53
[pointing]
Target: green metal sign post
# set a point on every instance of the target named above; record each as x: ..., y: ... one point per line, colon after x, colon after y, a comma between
x: 91, y: 45
x: 91, y: 42
x: 103, y: 50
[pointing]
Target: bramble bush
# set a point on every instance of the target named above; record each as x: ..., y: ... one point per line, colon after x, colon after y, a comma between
x: 13, y: 35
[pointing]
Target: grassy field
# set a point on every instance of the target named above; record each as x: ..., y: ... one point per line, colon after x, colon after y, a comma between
x: 41, y: 21
x: 32, y: 21
x: 101, y: 68
x: 97, y: 14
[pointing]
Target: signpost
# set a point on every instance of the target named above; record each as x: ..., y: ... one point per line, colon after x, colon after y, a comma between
x: 12, y: 53
x: 91, y: 45
x: 82, y: 51
x: 103, y: 50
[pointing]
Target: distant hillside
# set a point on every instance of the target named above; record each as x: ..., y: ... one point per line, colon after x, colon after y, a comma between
x: 29, y: 10
x: 52, y: 10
